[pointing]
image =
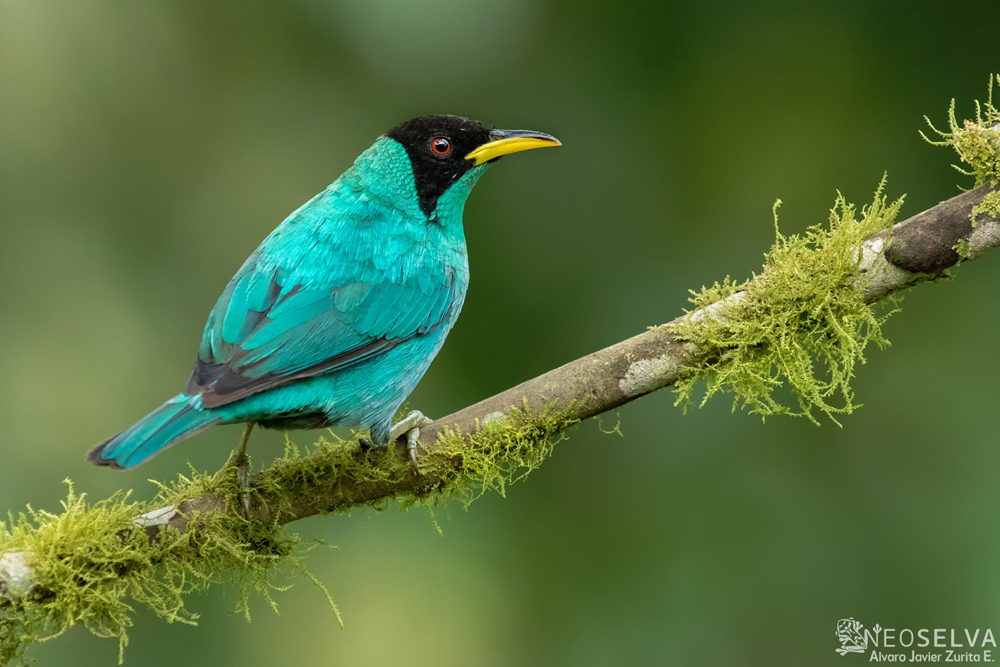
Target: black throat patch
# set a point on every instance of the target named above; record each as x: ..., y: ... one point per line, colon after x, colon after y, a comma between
x: 434, y: 172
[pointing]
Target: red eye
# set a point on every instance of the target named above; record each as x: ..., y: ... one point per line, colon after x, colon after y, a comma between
x: 440, y: 146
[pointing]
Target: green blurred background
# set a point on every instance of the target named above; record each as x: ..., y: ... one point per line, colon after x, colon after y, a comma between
x: 146, y: 148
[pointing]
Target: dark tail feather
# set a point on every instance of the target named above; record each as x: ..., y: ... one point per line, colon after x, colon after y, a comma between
x: 177, y: 419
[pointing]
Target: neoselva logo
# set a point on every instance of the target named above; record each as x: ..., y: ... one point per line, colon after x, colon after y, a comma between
x: 916, y: 645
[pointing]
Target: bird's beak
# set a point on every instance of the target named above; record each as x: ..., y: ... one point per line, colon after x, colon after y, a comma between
x: 505, y: 142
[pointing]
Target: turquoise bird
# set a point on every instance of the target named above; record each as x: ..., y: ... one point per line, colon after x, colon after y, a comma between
x: 334, y: 319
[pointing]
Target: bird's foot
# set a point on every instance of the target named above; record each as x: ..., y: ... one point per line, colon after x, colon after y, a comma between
x: 410, y: 427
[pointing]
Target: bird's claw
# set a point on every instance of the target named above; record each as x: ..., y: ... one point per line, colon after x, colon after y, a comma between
x: 410, y: 427
x: 411, y: 446
x: 415, y: 419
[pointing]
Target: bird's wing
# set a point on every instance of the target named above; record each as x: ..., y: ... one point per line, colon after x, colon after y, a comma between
x: 267, y: 329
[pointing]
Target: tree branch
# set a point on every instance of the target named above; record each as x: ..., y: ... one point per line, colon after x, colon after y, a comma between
x: 916, y: 250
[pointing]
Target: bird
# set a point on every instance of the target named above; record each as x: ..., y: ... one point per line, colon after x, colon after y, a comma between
x: 337, y: 315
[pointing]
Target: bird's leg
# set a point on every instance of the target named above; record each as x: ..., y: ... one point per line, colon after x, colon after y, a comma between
x: 410, y: 427
x: 242, y: 464
x: 242, y: 454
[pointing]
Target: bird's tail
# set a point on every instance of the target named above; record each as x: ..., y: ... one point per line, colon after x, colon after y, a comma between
x: 177, y: 419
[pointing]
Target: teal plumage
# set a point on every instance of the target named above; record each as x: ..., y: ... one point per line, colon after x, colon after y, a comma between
x: 341, y: 309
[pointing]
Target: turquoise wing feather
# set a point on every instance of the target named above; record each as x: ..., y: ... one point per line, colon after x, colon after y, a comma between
x: 268, y: 329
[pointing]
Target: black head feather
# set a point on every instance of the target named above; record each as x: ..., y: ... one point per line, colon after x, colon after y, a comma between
x: 433, y: 172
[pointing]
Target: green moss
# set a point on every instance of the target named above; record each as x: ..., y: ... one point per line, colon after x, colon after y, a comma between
x: 989, y: 207
x: 963, y: 249
x: 500, y: 453
x: 93, y: 564
x: 977, y: 141
x: 301, y: 472
x: 803, y: 323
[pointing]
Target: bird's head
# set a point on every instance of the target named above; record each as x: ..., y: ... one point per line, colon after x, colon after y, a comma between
x: 448, y: 154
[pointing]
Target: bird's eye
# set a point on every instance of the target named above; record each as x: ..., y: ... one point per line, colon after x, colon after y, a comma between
x: 440, y: 146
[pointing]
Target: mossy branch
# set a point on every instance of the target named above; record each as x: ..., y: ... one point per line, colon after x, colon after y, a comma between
x: 804, y: 322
